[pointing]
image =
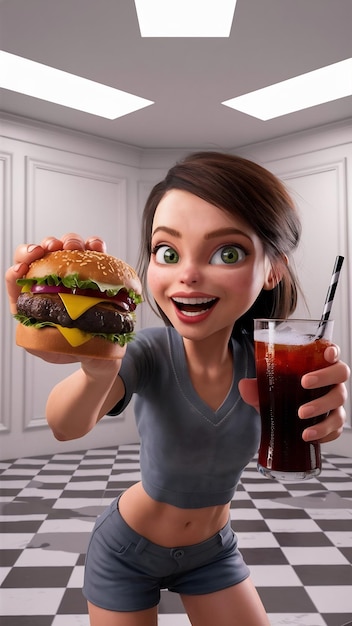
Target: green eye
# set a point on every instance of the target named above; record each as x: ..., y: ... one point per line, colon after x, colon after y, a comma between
x: 165, y: 254
x: 227, y: 255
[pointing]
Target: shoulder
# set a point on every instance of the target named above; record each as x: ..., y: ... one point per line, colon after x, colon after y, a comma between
x: 157, y: 334
x: 149, y: 336
x: 148, y: 343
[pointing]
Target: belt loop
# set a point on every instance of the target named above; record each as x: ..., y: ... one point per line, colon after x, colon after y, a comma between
x: 141, y: 545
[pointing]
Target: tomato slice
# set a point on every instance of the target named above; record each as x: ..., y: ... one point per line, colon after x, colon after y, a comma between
x: 122, y: 299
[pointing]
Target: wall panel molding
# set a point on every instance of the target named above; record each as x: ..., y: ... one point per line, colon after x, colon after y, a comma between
x: 76, y: 183
x: 339, y: 169
x: 6, y: 370
x: 326, y: 179
x: 36, y: 168
x: 43, y: 135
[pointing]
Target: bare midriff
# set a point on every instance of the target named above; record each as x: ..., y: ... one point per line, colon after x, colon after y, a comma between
x: 168, y: 525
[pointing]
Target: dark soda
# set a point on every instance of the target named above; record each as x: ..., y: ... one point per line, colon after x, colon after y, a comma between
x: 280, y: 367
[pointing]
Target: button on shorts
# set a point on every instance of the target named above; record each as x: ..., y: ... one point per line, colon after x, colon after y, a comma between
x: 126, y: 572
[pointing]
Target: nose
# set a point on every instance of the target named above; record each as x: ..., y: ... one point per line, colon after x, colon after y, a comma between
x: 190, y: 274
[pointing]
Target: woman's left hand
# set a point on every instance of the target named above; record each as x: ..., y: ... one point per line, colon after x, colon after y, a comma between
x: 331, y: 403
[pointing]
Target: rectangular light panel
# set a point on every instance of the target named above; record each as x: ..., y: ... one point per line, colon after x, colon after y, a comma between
x: 301, y: 92
x: 47, y: 83
x: 185, y: 18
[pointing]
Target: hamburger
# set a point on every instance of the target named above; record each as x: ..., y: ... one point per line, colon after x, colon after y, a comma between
x: 77, y: 302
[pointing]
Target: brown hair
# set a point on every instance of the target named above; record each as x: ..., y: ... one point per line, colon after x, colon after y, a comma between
x: 243, y: 188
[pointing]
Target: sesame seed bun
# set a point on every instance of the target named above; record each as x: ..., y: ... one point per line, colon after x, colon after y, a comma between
x: 88, y: 264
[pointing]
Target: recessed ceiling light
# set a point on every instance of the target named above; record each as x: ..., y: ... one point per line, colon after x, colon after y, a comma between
x: 185, y: 18
x: 301, y: 92
x: 47, y: 83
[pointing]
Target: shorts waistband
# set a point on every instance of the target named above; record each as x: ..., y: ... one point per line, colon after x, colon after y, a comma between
x: 142, y: 543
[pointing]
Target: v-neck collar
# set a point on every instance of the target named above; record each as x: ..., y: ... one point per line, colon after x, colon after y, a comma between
x: 240, y: 357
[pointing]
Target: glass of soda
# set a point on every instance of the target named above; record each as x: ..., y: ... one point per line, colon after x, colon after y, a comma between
x: 285, y: 350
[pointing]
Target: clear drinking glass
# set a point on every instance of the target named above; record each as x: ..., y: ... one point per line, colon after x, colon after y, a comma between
x: 284, y: 351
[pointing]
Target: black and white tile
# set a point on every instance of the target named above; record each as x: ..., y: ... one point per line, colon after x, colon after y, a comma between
x: 295, y: 537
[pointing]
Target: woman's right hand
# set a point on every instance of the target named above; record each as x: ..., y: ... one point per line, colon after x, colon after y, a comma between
x: 25, y: 254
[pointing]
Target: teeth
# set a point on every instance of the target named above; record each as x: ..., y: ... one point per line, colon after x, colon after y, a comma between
x: 192, y: 313
x: 183, y: 303
x: 193, y: 300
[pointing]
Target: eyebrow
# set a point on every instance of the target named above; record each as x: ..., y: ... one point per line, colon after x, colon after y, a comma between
x: 226, y: 231
x: 220, y: 232
x: 166, y: 229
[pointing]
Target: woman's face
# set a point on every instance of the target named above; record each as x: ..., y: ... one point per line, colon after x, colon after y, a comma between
x: 206, y: 268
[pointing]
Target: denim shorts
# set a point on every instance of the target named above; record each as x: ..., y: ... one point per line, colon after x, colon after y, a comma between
x: 125, y: 572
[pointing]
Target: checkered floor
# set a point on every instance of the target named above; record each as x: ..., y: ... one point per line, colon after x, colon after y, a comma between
x: 296, y: 538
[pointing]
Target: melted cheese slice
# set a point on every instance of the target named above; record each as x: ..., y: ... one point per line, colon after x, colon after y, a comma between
x: 73, y: 336
x: 77, y: 305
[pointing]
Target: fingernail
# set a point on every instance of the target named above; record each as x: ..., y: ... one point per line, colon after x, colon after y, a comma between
x: 73, y: 244
x: 312, y: 435
x: 334, y: 352
x: 17, y: 267
x: 93, y: 240
x: 32, y: 247
x: 96, y: 242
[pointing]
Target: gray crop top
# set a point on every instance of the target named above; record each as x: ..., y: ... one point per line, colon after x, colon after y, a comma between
x: 190, y: 456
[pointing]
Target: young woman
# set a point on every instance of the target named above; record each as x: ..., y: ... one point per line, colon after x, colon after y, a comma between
x: 218, y: 235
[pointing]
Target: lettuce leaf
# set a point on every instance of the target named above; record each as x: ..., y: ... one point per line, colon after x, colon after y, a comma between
x: 112, y: 337
x: 73, y: 281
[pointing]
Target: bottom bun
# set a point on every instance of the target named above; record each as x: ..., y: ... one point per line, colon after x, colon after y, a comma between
x: 51, y: 340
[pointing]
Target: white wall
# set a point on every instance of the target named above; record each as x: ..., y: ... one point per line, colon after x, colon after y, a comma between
x: 317, y: 169
x: 55, y: 180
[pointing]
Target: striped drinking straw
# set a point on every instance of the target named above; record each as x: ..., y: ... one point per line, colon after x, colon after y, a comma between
x: 329, y: 297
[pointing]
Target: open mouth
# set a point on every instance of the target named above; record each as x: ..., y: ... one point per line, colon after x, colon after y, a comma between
x: 194, y: 306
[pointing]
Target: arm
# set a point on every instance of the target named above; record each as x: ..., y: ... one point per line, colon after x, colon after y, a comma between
x: 332, y: 402
x: 78, y: 402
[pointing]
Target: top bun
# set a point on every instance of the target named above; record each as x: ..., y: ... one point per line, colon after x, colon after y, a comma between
x: 89, y: 265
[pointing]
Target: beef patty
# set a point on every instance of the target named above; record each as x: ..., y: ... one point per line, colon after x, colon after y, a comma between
x: 101, y: 318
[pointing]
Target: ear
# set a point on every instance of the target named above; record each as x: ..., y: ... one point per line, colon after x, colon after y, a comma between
x: 273, y: 275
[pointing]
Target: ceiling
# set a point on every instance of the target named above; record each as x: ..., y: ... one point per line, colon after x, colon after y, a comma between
x: 187, y: 78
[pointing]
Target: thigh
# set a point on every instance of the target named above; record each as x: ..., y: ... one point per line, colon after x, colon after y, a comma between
x: 239, y: 605
x: 102, y: 617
